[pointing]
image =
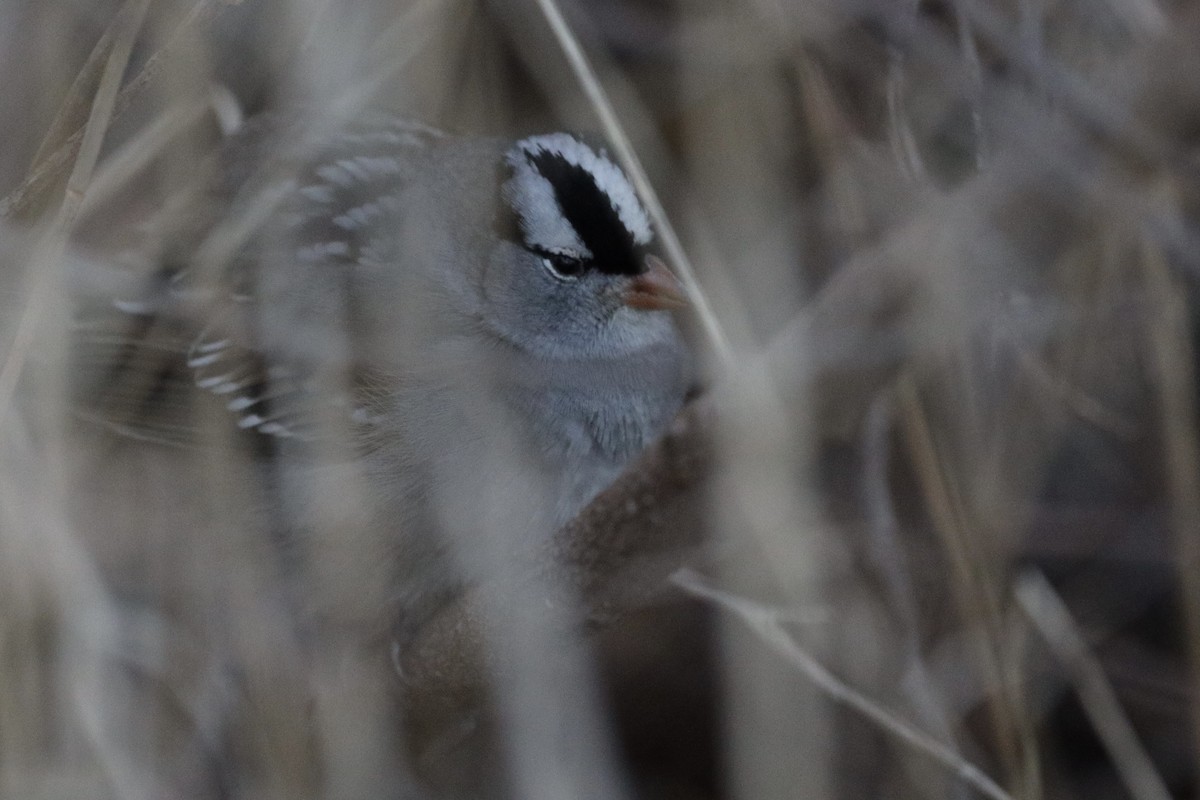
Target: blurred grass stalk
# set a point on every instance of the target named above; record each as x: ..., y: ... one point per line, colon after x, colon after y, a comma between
x: 756, y: 90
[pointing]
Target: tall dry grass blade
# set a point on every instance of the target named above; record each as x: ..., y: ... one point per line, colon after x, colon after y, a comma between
x: 394, y: 48
x: 50, y: 167
x: 766, y: 623
x: 615, y: 132
x: 40, y: 542
x: 1173, y: 359
x: 75, y: 107
x: 1046, y: 610
x: 890, y: 561
x: 900, y: 134
x: 974, y: 591
x: 140, y: 151
x: 48, y: 255
x: 975, y: 82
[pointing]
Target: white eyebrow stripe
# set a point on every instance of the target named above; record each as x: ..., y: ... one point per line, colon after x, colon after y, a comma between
x: 543, y: 225
x: 608, y: 177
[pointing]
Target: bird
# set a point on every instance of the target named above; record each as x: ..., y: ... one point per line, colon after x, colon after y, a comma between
x: 473, y: 332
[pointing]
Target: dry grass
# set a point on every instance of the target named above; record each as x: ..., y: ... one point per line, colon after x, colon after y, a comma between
x: 944, y: 259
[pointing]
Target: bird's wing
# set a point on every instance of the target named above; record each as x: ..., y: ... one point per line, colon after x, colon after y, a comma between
x: 250, y: 306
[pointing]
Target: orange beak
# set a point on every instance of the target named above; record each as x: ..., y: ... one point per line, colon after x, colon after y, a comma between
x: 655, y: 289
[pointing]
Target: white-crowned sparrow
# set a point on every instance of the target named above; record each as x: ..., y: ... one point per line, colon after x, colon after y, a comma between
x: 481, y: 318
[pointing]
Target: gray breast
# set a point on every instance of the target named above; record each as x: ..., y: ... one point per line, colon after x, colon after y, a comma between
x: 596, y: 420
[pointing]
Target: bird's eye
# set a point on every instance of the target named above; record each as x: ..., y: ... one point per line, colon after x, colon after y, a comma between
x: 563, y: 266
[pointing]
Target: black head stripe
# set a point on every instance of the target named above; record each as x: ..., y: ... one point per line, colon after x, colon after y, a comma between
x: 591, y: 213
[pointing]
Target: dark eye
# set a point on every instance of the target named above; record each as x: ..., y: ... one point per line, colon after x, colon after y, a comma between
x: 563, y: 266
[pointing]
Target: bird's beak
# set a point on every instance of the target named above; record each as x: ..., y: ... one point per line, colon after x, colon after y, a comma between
x: 656, y: 288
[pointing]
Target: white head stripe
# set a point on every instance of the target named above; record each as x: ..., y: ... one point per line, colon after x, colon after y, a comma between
x: 608, y: 176
x: 532, y: 198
